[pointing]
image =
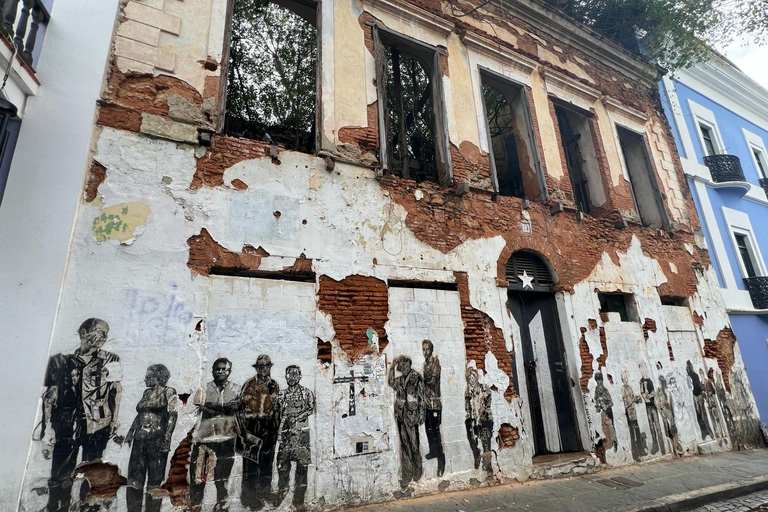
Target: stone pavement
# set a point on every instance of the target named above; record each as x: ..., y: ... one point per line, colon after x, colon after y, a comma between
x: 754, y: 502
x: 673, y: 485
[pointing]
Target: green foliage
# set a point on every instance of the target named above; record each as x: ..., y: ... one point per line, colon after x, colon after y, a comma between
x: 674, y: 32
x: 272, y: 75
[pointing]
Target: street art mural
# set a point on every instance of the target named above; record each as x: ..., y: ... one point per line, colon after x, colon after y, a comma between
x: 434, y: 405
x: 410, y: 411
x: 666, y: 406
x: 479, y: 419
x: 604, y: 406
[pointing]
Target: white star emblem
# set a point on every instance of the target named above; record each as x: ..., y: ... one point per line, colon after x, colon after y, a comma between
x: 526, y: 279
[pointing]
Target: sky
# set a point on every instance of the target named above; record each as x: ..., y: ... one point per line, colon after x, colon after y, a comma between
x: 750, y: 59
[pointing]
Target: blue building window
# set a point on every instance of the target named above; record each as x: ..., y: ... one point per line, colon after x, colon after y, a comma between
x: 745, y: 253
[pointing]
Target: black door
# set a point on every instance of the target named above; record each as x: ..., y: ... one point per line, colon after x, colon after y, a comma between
x: 549, y: 394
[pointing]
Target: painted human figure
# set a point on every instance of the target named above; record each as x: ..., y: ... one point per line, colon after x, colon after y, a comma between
x: 434, y: 405
x: 150, y: 437
x: 635, y: 435
x: 257, y: 423
x: 667, y: 410
x: 213, y: 443
x: 410, y: 412
x: 479, y: 419
x: 711, y: 403
x: 80, y: 406
x: 295, y: 405
x: 648, y: 393
x: 604, y: 405
x: 724, y: 403
x: 699, y: 397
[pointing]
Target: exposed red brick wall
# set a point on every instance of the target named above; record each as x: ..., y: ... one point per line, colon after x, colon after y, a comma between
x: 177, y: 483
x: 103, y: 478
x: 96, y: 176
x: 604, y: 345
x: 586, y: 361
x: 324, y: 352
x: 223, y: 153
x: 205, y: 253
x: 471, y: 165
x: 482, y: 336
x: 355, y: 304
x: 648, y: 325
x: 508, y: 436
x: 669, y: 348
x: 365, y: 137
x: 721, y: 348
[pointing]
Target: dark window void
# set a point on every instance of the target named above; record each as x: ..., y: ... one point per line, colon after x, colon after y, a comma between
x: 580, y: 158
x: 8, y: 136
x: 621, y: 303
x: 745, y: 254
x: 709, y: 140
x: 510, y: 135
x: 645, y: 190
x: 271, y: 81
x: 673, y: 300
x: 760, y: 159
x: 412, y: 133
x: 411, y: 120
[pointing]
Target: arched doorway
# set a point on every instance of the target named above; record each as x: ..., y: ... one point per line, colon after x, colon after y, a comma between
x: 533, y: 307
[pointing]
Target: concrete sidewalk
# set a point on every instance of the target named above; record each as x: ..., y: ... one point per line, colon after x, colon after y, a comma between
x: 680, y: 484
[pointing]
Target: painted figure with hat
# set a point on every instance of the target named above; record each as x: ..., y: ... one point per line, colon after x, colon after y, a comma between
x: 257, y: 420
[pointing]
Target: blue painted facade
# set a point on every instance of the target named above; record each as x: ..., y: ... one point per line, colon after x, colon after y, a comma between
x: 694, y: 97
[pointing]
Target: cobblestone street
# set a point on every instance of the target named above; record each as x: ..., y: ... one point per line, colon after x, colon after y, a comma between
x: 751, y: 502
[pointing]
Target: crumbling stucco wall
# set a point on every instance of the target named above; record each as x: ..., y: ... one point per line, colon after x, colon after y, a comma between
x: 236, y: 249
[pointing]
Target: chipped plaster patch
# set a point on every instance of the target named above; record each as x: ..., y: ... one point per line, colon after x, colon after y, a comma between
x: 122, y: 222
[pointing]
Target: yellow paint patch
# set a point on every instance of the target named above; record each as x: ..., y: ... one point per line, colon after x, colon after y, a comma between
x: 315, y: 183
x: 119, y: 222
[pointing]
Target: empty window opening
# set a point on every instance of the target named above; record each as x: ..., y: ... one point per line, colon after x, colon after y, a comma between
x: 409, y: 84
x: 673, y: 300
x: 708, y: 136
x: 271, y: 79
x: 746, y: 253
x: 580, y: 157
x: 513, y: 153
x: 760, y: 161
x: 642, y: 181
x: 621, y: 303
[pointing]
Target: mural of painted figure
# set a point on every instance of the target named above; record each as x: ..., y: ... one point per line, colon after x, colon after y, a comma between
x: 648, y: 393
x: 213, y: 443
x: 604, y: 405
x: 257, y: 425
x: 724, y: 403
x: 80, y: 407
x: 150, y: 437
x: 479, y: 419
x: 711, y: 403
x: 747, y: 430
x: 295, y: 405
x: 434, y: 405
x: 699, y: 397
x: 410, y: 412
x: 637, y: 438
x: 667, y: 409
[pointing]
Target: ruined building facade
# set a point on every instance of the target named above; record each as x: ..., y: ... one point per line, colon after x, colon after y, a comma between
x: 491, y: 255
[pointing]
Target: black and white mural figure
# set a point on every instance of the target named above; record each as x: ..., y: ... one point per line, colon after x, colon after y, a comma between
x: 604, y: 405
x: 150, y: 439
x: 725, y: 406
x: 213, y: 443
x: 648, y: 393
x: 434, y: 405
x: 410, y: 412
x: 712, y: 405
x: 258, y: 422
x: 479, y: 419
x: 666, y: 407
x: 746, y: 431
x: 295, y: 405
x: 80, y: 407
x: 630, y: 400
x: 699, y: 397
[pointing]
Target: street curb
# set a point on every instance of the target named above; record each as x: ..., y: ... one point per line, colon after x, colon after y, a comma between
x: 699, y: 497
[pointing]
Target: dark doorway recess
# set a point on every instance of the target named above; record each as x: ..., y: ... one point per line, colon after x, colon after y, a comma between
x: 553, y: 415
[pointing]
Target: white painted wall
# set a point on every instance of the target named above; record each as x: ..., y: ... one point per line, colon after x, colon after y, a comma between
x: 38, y: 211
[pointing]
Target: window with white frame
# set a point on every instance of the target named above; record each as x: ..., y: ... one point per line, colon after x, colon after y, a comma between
x: 758, y: 152
x: 706, y: 129
x: 744, y: 244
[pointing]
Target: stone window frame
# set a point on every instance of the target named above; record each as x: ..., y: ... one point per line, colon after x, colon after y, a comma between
x: 738, y: 222
x: 511, y: 83
x: 756, y: 143
x: 423, y: 49
x: 703, y: 116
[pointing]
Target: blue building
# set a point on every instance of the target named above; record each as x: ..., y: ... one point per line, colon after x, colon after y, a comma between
x: 719, y: 118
